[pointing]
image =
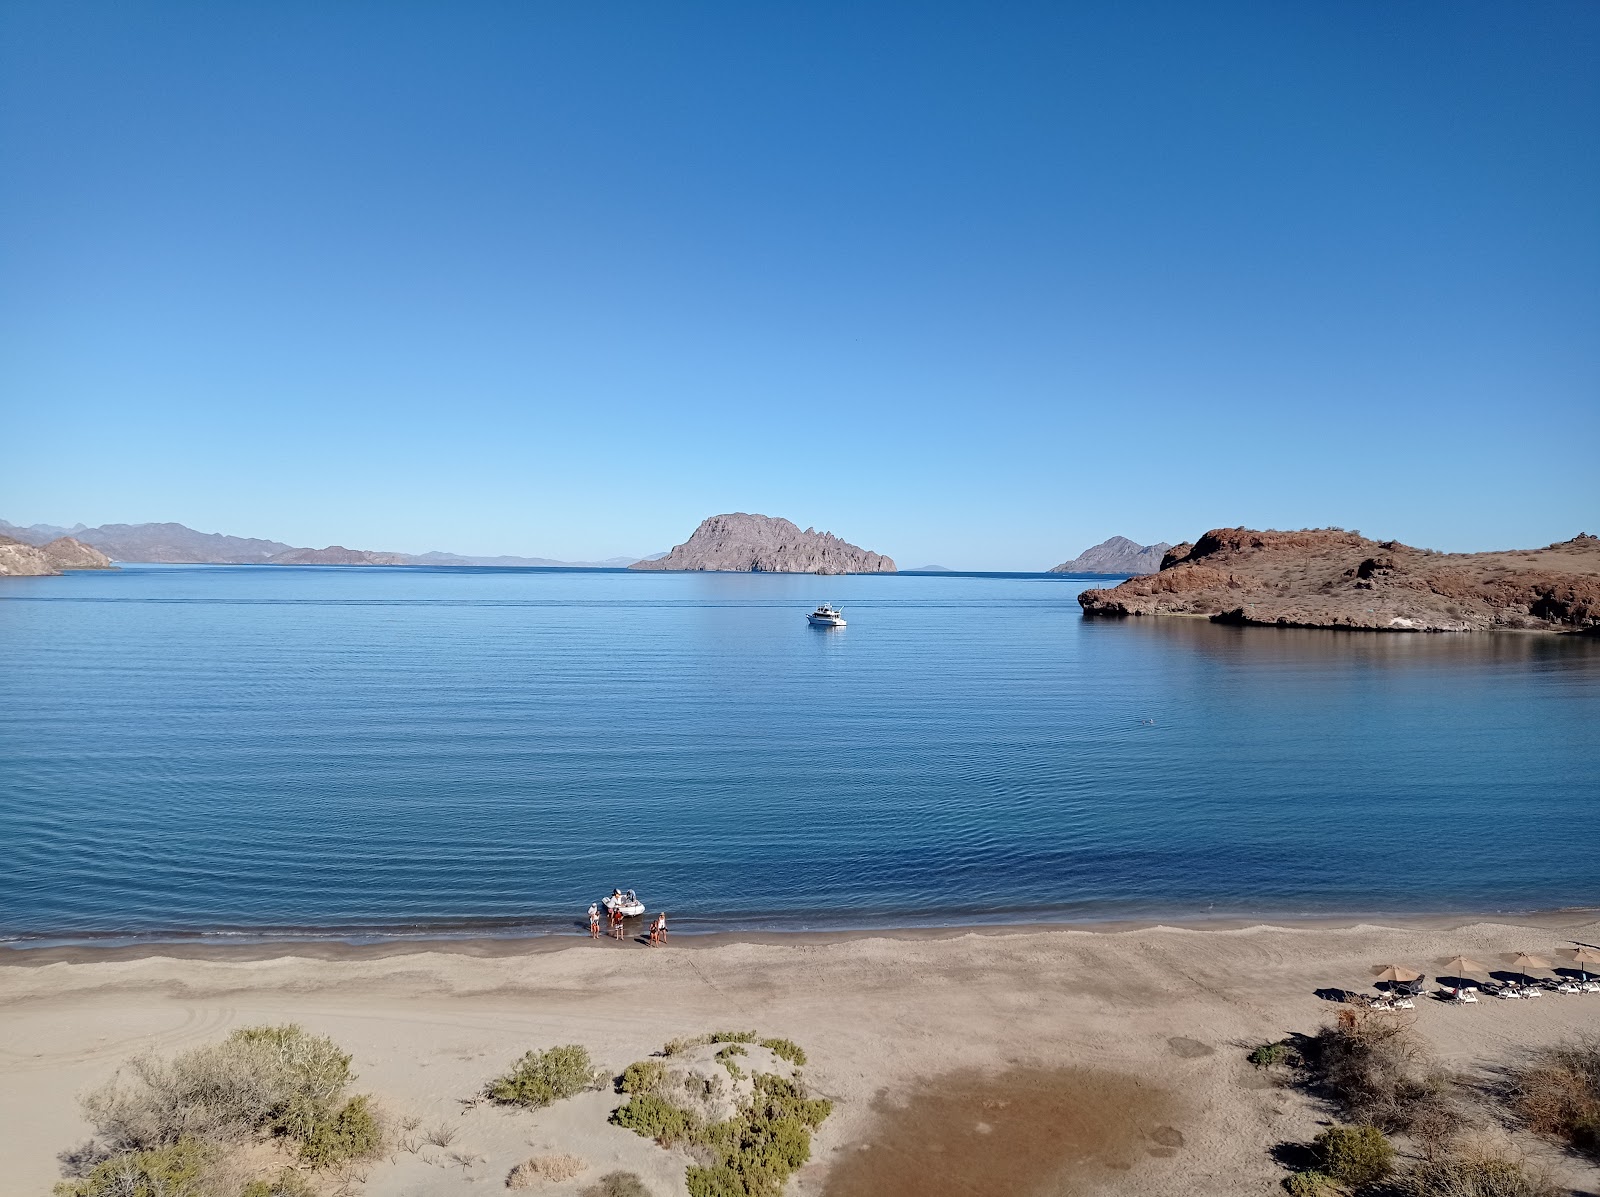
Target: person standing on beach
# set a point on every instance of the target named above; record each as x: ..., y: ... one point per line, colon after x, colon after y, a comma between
x: 617, y: 920
x: 658, y: 930
x: 594, y: 920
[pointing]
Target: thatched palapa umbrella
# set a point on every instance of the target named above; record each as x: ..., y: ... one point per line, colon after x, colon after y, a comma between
x: 1462, y: 966
x: 1395, y: 973
x: 1581, y: 956
x: 1522, y: 962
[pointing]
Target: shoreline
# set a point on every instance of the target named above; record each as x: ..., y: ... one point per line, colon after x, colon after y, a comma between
x: 356, y: 946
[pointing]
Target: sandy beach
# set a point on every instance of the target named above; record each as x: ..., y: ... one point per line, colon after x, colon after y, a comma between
x: 1021, y: 1061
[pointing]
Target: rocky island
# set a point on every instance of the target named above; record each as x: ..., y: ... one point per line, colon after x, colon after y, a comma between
x: 1119, y: 555
x: 741, y: 543
x: 19, y: 560
x: 1329, y: 578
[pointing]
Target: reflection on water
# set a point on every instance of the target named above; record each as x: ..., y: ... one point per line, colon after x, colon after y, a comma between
x: 189, y: 748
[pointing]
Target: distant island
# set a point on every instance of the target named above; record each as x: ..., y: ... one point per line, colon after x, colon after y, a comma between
x: 1330, y: 578
x: 741, y: 543
x: 929, y: 569
x: 19, y: 559
x: 1119, y: 556
x: 176, y: 544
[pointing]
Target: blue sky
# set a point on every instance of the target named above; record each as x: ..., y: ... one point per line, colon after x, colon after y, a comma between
x: 965, y: 283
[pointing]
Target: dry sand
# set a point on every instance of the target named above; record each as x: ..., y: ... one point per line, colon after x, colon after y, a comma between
x: 1056, y: 1061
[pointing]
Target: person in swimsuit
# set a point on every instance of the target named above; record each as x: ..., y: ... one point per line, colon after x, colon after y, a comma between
x: 594, y: 920
x: 658, y: 930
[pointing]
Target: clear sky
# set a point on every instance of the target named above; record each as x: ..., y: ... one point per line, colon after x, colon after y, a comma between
x: 976, y: 284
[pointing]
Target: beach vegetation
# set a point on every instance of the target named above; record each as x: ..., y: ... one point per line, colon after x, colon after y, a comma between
x: 287, y: 1183
x: 178, y: 1169
x: 442, y: 1134
x: 676, y: 1047
x: 552, y: 1167
x: 1272, y: 1055
x: 750, y: 1153
x: 654, y: 1117
x: 642, y: 1076
x: 351, y: 1132
x: 786, y: 1049
x: 540, y: 1078
x: 617, y: 1184
x: 725, y: 1058
x: 1355, y: 1155
x: 1370, y: 1066
x: 1557, y: 1094
x: 1312, y: 1184
x: 1476, y: 1174
x: 176, y: 1127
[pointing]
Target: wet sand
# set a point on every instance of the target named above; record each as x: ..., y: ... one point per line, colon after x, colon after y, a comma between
x: 1044, y: 1061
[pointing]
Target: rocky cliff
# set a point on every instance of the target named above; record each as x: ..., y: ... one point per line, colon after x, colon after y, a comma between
x: 740, y: 543
x: 1329, y: 578
x: 25, y: 560
x: 1119, y: 555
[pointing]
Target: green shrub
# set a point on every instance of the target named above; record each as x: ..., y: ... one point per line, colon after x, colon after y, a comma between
x: 348, y: 1134
x: 540, y: 1078
x: 1355, y: 1155
x: 279, y: 1079
x: 731, y: 1037
x: 617, y: 1184
x: 1269, y: 1055
x: 1312, y: 1184
x: 643, y: 1076
x: 176, y: 1170
x: 655, y: 1118
x: 786, y: 1049
x: 1379, y: 1075
x: 287, y: 1183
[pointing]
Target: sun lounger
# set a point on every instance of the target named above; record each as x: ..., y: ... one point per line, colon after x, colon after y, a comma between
x: 1569, y: 987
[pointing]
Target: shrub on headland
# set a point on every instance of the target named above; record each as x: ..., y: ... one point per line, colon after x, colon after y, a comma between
x: 617, y: 1184
x: 1473, y: 1174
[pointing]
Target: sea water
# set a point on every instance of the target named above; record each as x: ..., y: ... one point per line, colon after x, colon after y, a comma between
x: 362, y: 752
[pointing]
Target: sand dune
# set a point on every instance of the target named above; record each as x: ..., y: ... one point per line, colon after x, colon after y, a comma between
x: 1039, y: 1061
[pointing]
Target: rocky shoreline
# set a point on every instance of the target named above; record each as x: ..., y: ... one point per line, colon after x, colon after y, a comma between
x: 1330, y: 578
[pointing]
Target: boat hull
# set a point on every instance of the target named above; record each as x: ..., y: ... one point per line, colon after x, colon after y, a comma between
x: 825, y: 623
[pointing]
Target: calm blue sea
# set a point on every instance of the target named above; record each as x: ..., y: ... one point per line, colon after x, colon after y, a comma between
x: 362, y: 752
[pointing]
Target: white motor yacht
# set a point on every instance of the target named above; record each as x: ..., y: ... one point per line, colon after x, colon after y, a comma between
x: 826, y: 616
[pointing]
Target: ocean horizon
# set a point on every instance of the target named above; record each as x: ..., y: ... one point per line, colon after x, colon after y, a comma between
x: 238, y: 753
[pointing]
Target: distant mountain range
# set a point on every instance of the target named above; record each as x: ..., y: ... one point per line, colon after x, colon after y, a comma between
x: 742, y: 543
x: 177, y: 544
x: 1119, y: 555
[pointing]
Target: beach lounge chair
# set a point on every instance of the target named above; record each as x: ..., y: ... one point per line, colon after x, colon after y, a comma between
x: 1568, y: 987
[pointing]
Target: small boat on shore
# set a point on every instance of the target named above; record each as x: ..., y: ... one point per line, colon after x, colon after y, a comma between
x: 826, y: 616
x: 626, y: 903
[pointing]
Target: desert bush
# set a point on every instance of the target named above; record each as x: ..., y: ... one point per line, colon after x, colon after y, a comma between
x: 1312, y: 1184
x: 1558, y: 1094
x: 642, y: 1076
x: 540, y: 1078
x: 1268, y: 1055
x: 349, y: 1133
x: 1475, y: 1175
x: 279, y: 1079
x: 617, y: 1184
x: 750, y: 1154
x: 786, y: 1049
x: 556, y: 1166
x: 1354, y: 1155
x: 655, y: 1118
x: 442, y: 1134
x: 172, y: 1170
x: 731, y: 1037
x: 287, y: 1183
x: 1371, y: 1067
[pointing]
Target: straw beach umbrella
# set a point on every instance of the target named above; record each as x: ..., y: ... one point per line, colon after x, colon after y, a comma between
x: 1395, y: 973
x: 1462, y: 966
x: 1522, y: 962
x: 1582, y: 956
